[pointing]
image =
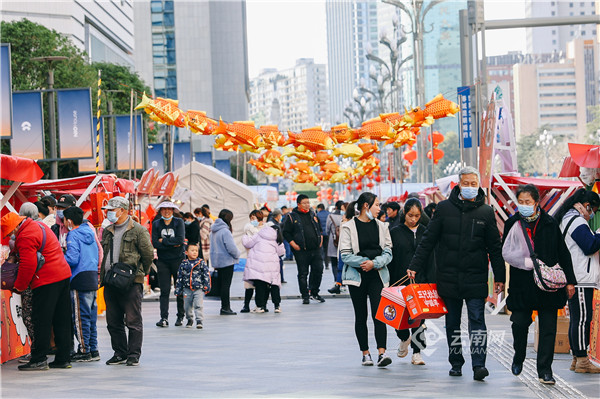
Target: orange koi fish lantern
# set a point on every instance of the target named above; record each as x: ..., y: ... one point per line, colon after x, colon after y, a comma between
x: 313, y: 139
x: 341, y: 133
x: 368, y: 149
x: 243, y: 133
x: 348, y: 151
x: 375, y: 129
x: 199, y: 123
x: 271, y: 136
x: 439, y: 107
x: 163, y: 110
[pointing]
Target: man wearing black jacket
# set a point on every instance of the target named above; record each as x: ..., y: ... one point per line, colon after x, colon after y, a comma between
x: 465, y: 230
x: 302, y: 230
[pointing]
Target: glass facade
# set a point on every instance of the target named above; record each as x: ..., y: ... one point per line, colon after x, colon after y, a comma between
x: 164, y: 58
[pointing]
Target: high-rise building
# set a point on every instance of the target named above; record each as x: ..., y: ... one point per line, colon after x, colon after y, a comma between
x: 351, y: 29
x: 555, y: 38
x: 104, y: 30
x: 195, y: 52
x: 294, y: 99
x: 557, y: 94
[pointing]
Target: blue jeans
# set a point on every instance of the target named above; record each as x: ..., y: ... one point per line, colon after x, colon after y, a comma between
x: 85, y: 314
x: 288, y: 250
x: 477, y: 331
x: 193, y: 303
x: 340, y: 268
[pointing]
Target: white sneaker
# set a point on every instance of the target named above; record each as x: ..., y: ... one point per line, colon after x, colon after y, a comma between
x: 257, y: 310
x: 417, y: 359
x: 278, y: 309
x: 403, y: 348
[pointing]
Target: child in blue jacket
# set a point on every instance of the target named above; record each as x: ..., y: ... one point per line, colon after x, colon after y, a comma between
x: 193, y: 281
x: 82, y: 256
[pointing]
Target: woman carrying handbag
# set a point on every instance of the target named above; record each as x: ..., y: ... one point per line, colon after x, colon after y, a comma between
x: 524, y: 295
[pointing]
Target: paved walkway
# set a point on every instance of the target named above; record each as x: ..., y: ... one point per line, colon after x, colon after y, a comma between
x: 306, y: 351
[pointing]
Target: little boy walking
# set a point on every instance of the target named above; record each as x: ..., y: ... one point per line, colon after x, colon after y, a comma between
x: 193, y: 281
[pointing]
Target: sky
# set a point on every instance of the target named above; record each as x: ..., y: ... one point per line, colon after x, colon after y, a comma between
x: 281, y: 31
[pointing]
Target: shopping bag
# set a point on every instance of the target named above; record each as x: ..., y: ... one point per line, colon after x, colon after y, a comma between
x: 392, y: 309
x: 423, y: 301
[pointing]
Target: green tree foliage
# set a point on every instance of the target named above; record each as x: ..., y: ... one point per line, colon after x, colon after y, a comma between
x: 29, y: 40
x: 531, y: 158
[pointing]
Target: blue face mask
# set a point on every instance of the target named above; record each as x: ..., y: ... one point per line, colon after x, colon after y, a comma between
x: 526, y: 210
x: 254, y: 223
x: 592, y: 215
x: 112, y: 216
x: 469, y: 193
x: 169, y: 218
x: 369, y: 215
x: 59, y: 214
x: 187, y: 222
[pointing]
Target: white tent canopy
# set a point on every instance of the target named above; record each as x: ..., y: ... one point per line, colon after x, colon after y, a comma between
x: 220, y: 191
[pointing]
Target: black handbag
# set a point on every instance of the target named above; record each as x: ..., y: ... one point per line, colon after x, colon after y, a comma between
x: 121, y: 275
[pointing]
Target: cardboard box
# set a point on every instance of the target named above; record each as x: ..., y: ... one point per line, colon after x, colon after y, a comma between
x: 392, y: 310
x: 423, y: 301
x: 561, y: 343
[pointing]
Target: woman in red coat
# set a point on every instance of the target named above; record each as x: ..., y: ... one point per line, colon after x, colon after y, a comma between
x: 51, y: 305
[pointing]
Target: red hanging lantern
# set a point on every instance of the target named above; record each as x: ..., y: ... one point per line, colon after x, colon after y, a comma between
x: 438, y: 138
x: 437, y: 155
x: 378, y: 178
x: 359, y: 187
x: 329, y: 190
x: 409, y: 156
x: 370, y: 184
x: 349, y: 187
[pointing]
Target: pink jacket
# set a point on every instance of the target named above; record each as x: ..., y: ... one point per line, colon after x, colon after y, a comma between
x: 263, y: 256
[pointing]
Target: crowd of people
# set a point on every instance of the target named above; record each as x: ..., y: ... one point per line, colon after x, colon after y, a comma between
x: 366, y: 244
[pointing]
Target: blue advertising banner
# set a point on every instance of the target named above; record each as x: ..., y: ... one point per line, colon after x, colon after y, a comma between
x: 156, y: 157
x: 223, y: 165
x: 124, y: 152
x: 181, y: 154
x: 5, y: 92
x: 27, y: 125
x: 204, y: 157
x: 464, y: 101
x: 75, y: 123
x: 89, y: 165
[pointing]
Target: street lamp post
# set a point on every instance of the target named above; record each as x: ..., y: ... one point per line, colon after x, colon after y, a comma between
x: 545, y: 141
x: 52, y: 111
x: 416, y: 11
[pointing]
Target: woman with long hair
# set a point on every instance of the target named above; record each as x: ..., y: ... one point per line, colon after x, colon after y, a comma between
x: 366, y: 249
x: 223, y: 255
x: 524, y: 296
x: 583, y: 244
x: 405, y: 240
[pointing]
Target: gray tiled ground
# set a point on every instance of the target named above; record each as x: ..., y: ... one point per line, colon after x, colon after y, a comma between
x: 306, y: 351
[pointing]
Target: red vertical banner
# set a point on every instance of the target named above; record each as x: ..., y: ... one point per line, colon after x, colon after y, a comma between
x: 15, y: 340
x: 391, y: 167
x: 486, y: 144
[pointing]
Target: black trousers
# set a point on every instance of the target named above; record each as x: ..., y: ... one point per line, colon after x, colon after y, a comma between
x: 324, y: 251
x: 309, y: 260
x: 121, y: 308
x: 417, y: 339
x: 521, y: 319
x: 166, y: 270
x: 334, y: 267
x: 370, y: 288
x: 581, y: 312
x: 225, y: 277
x: 262, y: 293
x: 51, y: 309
